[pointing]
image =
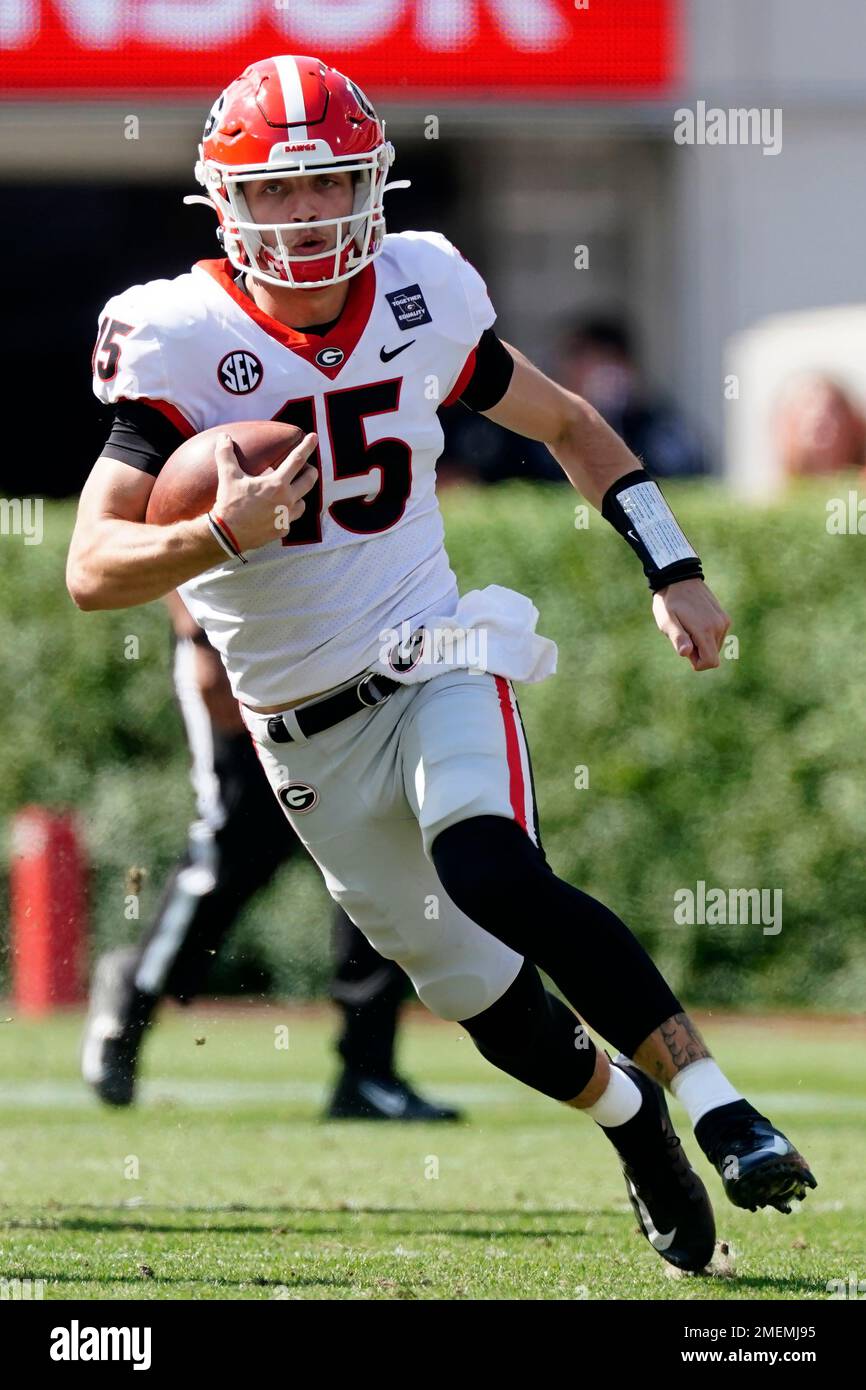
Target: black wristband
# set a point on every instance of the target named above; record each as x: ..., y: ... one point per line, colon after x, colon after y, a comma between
x: 635, y: 507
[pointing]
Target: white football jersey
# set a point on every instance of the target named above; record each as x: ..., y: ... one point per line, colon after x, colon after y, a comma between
x: 309, y: 610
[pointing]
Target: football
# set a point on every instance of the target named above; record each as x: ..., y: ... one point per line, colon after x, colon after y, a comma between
x: 186, y: 486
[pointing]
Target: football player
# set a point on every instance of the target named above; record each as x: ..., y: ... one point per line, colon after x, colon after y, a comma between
x: 402, y: 764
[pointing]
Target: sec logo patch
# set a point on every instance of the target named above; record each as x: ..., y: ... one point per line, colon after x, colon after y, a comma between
x: 240, y: 372
x: 298, y: 797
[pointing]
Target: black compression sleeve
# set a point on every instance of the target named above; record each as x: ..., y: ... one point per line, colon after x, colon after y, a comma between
x: 141, y: 436
x: 492, y: 374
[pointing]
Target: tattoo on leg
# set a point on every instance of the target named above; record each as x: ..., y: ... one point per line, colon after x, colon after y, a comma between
x: 683, y: 1043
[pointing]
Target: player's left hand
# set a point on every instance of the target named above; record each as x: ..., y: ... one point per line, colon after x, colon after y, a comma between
x: 690, y: 615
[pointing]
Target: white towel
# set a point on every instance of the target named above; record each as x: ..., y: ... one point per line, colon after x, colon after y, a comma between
x: 492, y: 630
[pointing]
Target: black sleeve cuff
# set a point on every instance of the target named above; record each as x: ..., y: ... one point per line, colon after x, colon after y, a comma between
x: 491, y: 376
x: 142, y: 437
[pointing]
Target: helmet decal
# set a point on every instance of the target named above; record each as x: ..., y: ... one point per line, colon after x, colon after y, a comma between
x: 365, y: 104
x: 213, y: 114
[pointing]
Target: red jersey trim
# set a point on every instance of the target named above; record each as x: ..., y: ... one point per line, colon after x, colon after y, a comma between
x: 462, y: 381
x: 345, y: 334
x: 171, y: 412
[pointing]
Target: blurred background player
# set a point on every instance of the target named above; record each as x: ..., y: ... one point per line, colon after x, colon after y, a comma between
x: 597, y: 360
x: 235, y: 846
x: 819, y: 428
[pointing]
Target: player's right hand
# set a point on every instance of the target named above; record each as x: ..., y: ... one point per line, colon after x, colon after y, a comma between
x: 261, y: 509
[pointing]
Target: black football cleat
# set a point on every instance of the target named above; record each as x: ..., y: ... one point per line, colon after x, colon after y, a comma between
x: 116, y: 1021
x: 361, y: 1097
x: 668, y: 1198
x: 759, y: 1165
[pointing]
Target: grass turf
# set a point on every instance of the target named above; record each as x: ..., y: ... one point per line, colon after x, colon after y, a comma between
x: 224, y: 1183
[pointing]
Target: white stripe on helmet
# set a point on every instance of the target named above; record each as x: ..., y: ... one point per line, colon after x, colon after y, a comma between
x: 293, y: 96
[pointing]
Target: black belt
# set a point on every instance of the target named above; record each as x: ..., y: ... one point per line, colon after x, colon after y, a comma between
x: 370, y: 690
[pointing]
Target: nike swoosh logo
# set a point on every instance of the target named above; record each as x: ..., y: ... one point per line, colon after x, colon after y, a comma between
x: 778, y: 1146
x: 659, y: 1240
x: 386, y: 356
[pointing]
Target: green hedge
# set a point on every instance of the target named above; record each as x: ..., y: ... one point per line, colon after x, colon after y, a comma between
x: 752, y: 776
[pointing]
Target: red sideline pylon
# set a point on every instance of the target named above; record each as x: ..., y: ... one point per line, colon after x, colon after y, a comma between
x: 48, y: 902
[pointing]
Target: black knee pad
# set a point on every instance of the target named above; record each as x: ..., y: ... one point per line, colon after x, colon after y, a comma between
x: 487, y: 861
x: 493, y: 871
x: 533, y: 1036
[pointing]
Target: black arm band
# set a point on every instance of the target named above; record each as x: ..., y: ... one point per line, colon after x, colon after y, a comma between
x: 491, y: 378
x: 634, y: 506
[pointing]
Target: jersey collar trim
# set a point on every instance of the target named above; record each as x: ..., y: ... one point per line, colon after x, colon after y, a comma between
x: 343, y: 337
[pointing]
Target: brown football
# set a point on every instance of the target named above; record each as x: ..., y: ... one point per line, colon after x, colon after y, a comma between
x: 187, y: 482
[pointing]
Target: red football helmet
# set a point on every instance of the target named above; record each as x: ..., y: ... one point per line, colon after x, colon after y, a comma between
x: 287, y: 117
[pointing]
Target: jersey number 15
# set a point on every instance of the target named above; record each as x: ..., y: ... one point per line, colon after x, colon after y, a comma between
x: 345, y: 412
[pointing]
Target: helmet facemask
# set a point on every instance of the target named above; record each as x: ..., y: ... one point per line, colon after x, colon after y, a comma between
x: 357, y: 234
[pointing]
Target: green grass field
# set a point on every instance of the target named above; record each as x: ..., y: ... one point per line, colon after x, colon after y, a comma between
x: 242, y: 1192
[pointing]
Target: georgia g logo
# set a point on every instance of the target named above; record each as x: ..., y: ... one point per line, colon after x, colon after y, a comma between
x: 214, y: 114
x: 404, y: 657
x: 330, y: 357
x: 298, y: 797
x: 240, y: 372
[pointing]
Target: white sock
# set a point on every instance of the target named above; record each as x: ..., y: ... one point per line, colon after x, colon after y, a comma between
x: 619, y: 1102
x: 702, y: 1086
